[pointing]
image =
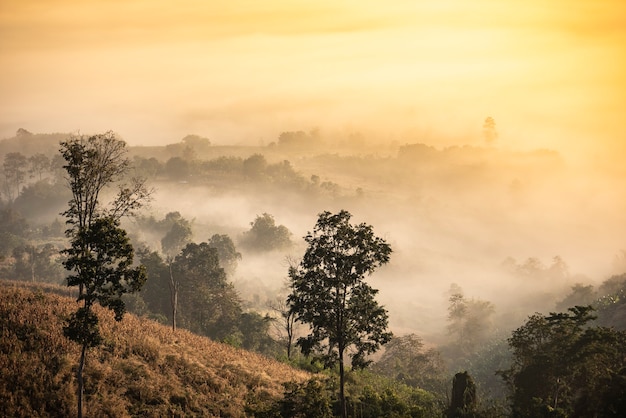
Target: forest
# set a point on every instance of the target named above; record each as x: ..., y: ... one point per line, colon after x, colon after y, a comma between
x: 499, y: 285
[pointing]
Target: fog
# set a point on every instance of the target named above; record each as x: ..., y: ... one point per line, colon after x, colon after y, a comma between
x: 552, y: 75
x: 453, y: 217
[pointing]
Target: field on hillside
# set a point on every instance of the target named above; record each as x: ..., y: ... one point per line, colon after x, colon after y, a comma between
x: 142, y: 369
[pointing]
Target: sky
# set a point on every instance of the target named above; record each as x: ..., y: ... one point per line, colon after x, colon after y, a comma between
x: 552, y: 74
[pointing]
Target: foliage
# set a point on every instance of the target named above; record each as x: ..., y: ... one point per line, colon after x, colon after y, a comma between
x: 177, y: 168
x: 178, y: 235
x: 14, y: 171
x: 38, y: 165
x: 155, y: 292
x: 372, y: 395
x: 469, y: 321
x: 13, y: 230
x: 38, y: 263
x: 306, y: 400
x: 254, y: 167
x: 208, y: 303
x: 226, y: 252
x: 563, y: 366
x: 612, y: 306
x: 328, y: 292
x: 254, y: 329
x: 534, y: 269
x: 406, y: 360
x: 265, y: 235
x: 42, y: 199
x: 100, y: 257
x: 580, y: 295
x: 284, y: 323
x: 463, y: 402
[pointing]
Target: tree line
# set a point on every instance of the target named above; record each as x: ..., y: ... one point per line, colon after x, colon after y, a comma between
x: 562, y: 364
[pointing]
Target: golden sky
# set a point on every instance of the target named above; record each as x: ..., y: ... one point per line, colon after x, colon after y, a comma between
x: 551, y: 73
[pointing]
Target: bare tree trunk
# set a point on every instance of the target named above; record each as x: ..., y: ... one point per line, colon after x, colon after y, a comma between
x: 173, y: 296
x: 79, y: 375
x: 342, y: 394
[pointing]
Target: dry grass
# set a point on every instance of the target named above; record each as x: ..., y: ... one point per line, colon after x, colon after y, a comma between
x: 141, y: 369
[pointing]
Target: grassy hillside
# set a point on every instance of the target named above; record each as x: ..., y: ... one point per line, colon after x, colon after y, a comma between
x: 142, y: 369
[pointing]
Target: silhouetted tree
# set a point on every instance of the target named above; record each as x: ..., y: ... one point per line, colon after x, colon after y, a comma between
x: 463, y: 401
x: 561, y: 365
x: 100, y: 257
x: 328, y: 292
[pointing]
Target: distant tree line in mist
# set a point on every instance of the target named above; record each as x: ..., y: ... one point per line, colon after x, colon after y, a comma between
x: 567, y: 363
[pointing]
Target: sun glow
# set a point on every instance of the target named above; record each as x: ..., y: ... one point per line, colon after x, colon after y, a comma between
x: 552, y: 74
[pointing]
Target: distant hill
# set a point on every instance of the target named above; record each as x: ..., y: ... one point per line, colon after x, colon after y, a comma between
x: 142, y: 369
x: 29, y: 143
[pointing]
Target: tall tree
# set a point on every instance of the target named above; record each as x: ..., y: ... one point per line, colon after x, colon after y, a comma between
x: 39, y: 164
x: 208, y: 303
x: 14, y: 170
x: 329, y: 293
x: 100, y: 257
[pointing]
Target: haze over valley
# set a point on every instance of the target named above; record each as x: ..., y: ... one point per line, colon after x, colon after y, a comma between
x: 483, y: 141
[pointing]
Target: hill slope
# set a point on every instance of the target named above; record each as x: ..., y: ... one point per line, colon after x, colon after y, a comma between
x: 142, y: 369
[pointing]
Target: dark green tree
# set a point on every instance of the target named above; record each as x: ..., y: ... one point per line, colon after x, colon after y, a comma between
x: 100, y: 256
x: 562, y: 366
x: 155, y: 292
x: 254, y: 329
x: 463, y: 401
x: 306, y: 400
x: 208, y: 303
x: 329, y: 293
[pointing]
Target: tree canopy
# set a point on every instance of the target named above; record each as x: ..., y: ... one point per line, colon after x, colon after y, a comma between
x: 564, y: 366
x: 328, y: 292
x: 100, y: 256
